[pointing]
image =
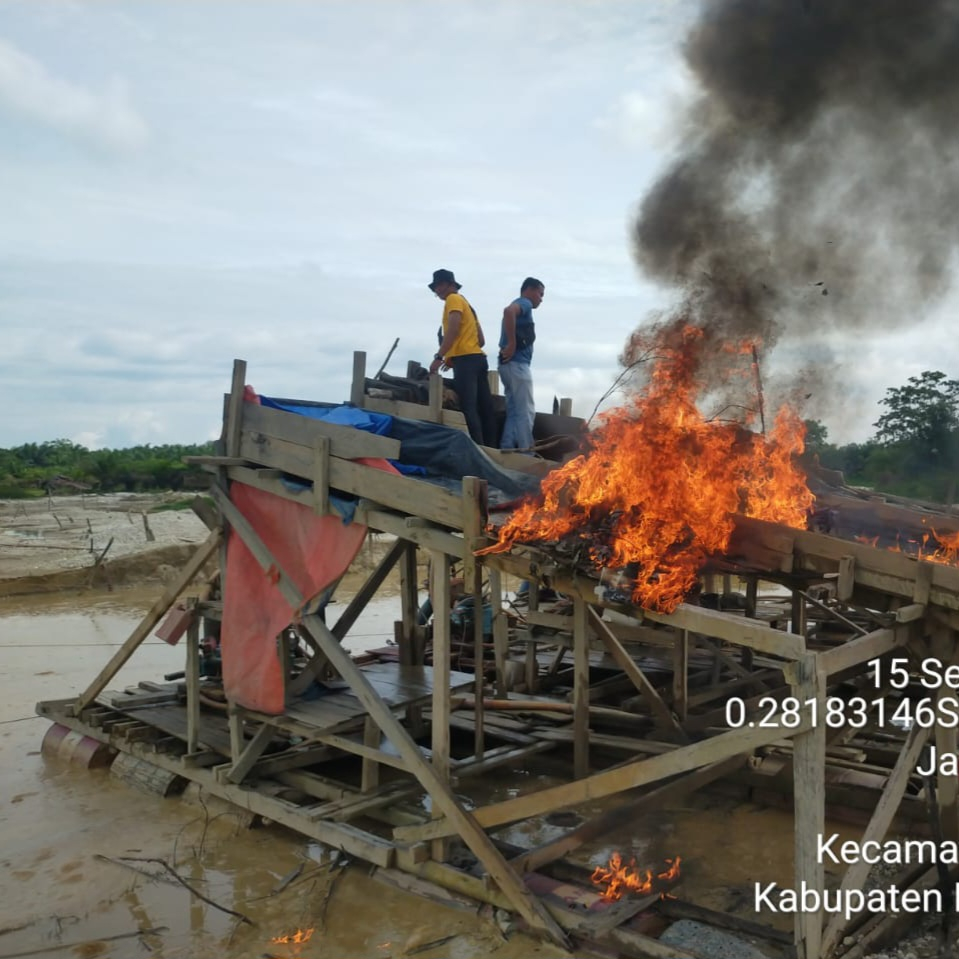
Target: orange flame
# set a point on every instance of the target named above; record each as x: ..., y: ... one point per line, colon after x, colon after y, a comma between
x: 618, y: 878
x: 298, y: 937
x: 659, y: 485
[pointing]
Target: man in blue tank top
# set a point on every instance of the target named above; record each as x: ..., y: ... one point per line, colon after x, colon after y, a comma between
x: 515, y: 356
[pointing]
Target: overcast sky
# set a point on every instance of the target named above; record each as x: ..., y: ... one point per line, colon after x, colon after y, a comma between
x: 183, y: 183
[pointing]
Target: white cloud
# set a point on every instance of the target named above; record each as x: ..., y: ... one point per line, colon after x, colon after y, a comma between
x: 107, y: 119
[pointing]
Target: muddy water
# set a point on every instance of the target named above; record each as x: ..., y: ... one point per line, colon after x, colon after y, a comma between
x: 57, y: 819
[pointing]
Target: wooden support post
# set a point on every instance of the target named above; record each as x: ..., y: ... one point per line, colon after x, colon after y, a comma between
x: 409, y: 605
x: 681, y: 673
x: 846, y: 583
x: 192, y: 675
x: 435, y: 414
x: 798, y: 613
x: 321, y: 475
x: 235, y: 722
x: 358, y: 387
x: 371, y: 770
x: 250, y: 752
x: 440, y: 592
x: 529, y: 907
x: 474, y: 521
x: 156, y: 612
x: 581, y: 617
x: 500, y: 631
x: 809, y: 775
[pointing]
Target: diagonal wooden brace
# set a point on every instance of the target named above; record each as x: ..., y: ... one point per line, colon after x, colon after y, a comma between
x: 526, y: 904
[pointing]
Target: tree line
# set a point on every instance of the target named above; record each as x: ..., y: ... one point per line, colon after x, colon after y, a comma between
x: 34, y: 469
x: 914, y: 452
x: 915, y: 449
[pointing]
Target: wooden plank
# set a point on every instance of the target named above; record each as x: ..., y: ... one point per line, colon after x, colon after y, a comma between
x: 609, y: 782
x: 463, y: 823
x: 454, y: 419
x: 403, y: 493
x: 156, y: 612
x: 346, y: 442
x: 733, y: 629
x: 414, y: 529
x: 623, y: 815
x: 863, y: 648
x: 879, y: 824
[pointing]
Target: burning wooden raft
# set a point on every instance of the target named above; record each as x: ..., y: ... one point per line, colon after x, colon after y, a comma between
x: 648, y: 704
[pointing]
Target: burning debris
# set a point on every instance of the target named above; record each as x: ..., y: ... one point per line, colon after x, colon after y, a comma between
x: 618, y: 877
x: 658, y: 487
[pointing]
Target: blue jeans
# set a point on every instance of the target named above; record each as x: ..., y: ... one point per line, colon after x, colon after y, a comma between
x: 517, y: 382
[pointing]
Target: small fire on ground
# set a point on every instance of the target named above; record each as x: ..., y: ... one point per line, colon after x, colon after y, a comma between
x: 294, y: 938
x: 618, y: 878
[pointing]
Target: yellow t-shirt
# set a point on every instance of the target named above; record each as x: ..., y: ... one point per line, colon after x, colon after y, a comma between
x: 467, y: 342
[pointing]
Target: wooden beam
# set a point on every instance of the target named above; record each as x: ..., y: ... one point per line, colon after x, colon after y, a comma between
x: 454, y: 419
x: 156, y: 612
x: 627, y: 664
x: 623, y: 815
x: 295, y: 435
x: 879, y: 824
x: 733, y: 629
x: 519, y: 896
x: 860, y: 650
x: 249, y: 754
x: 609, y: 782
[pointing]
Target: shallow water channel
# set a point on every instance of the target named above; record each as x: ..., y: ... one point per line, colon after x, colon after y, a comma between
x: 57, y: 819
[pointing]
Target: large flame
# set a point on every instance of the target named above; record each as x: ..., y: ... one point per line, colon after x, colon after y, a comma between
x: 659, y: 485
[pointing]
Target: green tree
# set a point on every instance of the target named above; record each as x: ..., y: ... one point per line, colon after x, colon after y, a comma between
x: 921, y: 416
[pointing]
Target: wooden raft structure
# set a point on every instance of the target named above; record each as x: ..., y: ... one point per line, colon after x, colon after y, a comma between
x: 632, y: 701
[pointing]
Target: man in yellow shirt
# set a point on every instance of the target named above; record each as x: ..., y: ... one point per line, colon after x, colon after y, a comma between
x: 461, y: 349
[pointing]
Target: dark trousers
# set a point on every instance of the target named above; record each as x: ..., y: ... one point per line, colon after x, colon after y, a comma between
x: 471, y: 382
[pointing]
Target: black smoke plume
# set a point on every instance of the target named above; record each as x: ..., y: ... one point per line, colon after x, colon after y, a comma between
x: 816, y: 184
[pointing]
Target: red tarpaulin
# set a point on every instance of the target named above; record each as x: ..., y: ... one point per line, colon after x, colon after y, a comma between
x: 314, y: 551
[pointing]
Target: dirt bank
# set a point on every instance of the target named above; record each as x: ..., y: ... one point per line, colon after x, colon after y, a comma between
x: 76, y: 542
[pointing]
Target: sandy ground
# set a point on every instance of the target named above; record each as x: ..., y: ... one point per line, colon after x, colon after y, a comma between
x: 86, y: 541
